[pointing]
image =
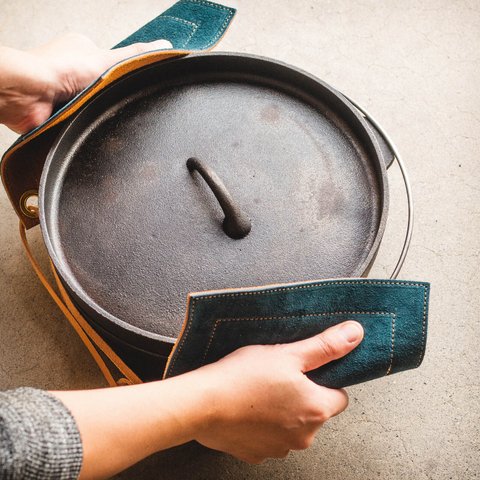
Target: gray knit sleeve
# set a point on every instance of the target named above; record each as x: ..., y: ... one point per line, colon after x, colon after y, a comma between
x: 39, y: 438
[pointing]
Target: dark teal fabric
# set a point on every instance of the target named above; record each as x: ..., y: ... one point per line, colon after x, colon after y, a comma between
x: 189, y: 24
x: 393, y: 314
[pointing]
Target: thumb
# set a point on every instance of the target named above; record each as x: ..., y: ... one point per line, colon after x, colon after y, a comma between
x: 119, y: 54
x: 333, y: 343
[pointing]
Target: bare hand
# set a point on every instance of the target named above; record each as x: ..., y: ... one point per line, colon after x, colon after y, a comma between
x: 263, y: 404
x: 34, y: 81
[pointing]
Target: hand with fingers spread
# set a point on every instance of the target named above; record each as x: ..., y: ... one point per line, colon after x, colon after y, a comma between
x: 33, y: 82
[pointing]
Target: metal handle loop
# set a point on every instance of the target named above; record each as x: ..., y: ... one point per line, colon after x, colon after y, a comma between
x: 406, y: 180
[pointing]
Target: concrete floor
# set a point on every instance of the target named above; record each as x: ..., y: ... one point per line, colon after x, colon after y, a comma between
x: 416, y: 66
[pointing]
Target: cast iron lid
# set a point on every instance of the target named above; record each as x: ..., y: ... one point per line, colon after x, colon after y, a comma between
x: 131, y: 229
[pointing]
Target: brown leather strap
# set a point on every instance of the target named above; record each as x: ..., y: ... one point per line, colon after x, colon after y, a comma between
x: 87, y: 334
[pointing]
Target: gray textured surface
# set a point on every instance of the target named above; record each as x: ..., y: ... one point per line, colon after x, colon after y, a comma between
x: 39, y: 438
x: 416, y: 66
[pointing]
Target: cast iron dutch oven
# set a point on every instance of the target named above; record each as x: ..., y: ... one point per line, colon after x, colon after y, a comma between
x: 205, y: 172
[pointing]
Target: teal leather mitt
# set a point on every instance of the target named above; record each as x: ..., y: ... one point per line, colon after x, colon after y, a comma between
x: 188, y: 25
x: 393, y: 314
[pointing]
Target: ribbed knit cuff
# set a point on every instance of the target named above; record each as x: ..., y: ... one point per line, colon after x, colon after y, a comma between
x: 39, y: 438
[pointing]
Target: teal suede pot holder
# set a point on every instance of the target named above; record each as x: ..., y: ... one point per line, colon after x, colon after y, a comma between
x: 188, y: 24
x: 393, y: 314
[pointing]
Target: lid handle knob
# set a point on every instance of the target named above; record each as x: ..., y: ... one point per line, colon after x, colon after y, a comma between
x: 236, y: 223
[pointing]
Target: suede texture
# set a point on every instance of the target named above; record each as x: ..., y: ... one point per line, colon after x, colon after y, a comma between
x: 392, y: 313
x: 189, y: 24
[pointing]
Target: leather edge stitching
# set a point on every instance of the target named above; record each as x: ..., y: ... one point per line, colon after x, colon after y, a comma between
x: 424, y: 325
x: 392, y: 348
x: 312, y: 286
x: 194, y: 26
x: 346, y: 282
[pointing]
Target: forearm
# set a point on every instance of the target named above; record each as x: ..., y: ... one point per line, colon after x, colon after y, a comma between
x: 120, y: 426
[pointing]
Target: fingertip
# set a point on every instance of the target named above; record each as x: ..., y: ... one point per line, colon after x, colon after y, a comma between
x: 332, y: 344
x: 334, y: 401
x: 122, y: 53
x: 160, y: 44
x: 342, y: 403
x: 345, y: 396
x: 352, y: 331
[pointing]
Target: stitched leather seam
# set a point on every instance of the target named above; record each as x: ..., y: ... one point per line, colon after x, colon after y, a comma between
x: 345, y: 282
x: 182, y: 20
x: 210, y: 4
x: 190, y: 36
x: 298, y: 287
x: 389, y: 369
x: 424, y: 330
x: 310, y: 315
x: 230, y: 14
x: 192, y: 25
